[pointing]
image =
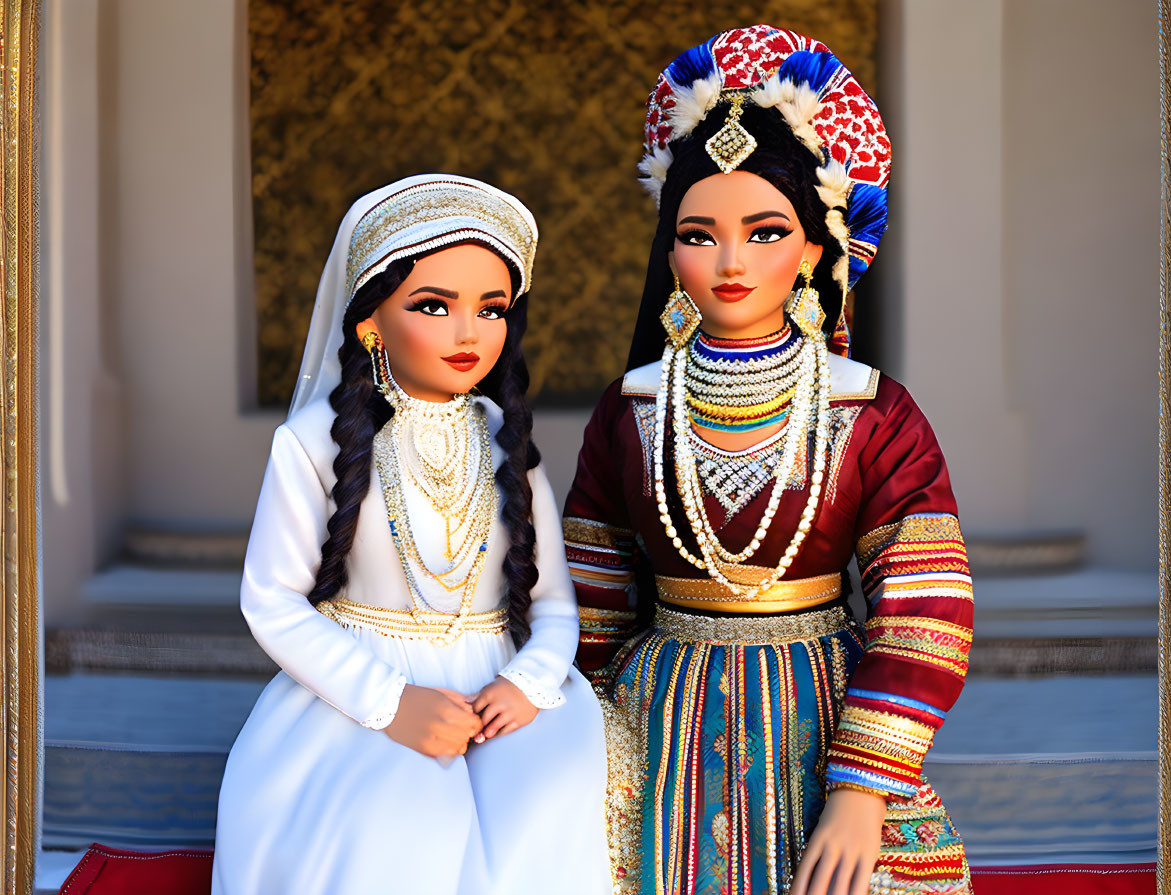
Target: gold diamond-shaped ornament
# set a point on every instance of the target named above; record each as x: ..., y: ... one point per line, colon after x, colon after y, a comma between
x: 731, y: 144
x: 680, y: 318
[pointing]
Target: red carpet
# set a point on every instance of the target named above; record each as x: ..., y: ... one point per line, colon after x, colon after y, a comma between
x: 1065, y: 879
x: 113, y: 871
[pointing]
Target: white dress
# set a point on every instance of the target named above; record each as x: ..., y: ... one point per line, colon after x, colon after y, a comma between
x: 317, y: 800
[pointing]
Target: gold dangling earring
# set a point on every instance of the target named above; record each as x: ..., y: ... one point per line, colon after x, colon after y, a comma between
x: 804, y: 304
x: 372, y: 342
x: 681, y: 317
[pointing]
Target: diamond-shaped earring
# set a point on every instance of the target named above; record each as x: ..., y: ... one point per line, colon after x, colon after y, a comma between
x: 804, y: 304
x: 731, y: 144
x: 681, y: 317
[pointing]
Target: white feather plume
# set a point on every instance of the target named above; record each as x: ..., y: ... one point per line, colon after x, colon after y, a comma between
x: 837, y: 226
x: 841, y: 271
x: 654, y: 167
x: 797, y: 103
x: 834, y: 188
x: 693, y: 103
x: 770, y: 92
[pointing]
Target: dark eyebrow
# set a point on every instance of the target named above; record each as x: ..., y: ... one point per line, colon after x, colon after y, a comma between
x: 695, y: 219
x: 753, y: 218
x: 499, y: 293
x: 446, y: 293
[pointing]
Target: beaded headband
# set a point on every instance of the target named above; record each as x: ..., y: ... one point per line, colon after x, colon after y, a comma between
x: 820, y: 100
x: 432, y: 213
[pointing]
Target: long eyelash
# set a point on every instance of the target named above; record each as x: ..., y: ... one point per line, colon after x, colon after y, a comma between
x: 501, y: 309
x: 780, y: 231
x: 687, y: 234
x: 421, y: 303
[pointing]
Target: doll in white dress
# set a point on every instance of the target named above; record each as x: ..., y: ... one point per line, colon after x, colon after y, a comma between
x: 427, y: 732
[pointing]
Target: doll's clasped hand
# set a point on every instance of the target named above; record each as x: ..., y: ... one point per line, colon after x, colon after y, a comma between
x: 843, y: 849
x: 435, y: 722
x: 502, y: 708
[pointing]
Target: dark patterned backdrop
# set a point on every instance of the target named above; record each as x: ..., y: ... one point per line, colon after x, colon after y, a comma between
x: 543, y: 99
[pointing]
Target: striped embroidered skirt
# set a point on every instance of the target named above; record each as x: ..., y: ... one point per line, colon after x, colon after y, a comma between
x: 717, y: 733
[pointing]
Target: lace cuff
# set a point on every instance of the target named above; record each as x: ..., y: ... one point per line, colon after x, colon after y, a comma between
x: 385, y: 716
x: 535, y: 692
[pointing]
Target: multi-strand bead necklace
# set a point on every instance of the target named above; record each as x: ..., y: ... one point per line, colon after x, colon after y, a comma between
x: 445, y: 450
x: 735, y: 385
x: 741, y: 387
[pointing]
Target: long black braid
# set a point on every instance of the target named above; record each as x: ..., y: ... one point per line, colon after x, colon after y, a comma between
x: 362, y: 411
x: 507, y: 384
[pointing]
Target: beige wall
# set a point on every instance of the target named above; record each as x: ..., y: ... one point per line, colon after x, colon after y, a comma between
x: 1082, y: 264
x: 947, y: 210
x: 1025, y: 210
x: 1020, y: 273
x: 81, y: 411
x: 147, y: 252
x: 178, y: 248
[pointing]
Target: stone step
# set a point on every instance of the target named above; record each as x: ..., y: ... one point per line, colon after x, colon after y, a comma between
x: 136, y: 761
x: 194, y: 549
x: 1024, y: 552
x: 128, y: 584
x: 1030, y: 769
x: 1051, y: 769
x: 158, y: 640
x: 1088, y: 602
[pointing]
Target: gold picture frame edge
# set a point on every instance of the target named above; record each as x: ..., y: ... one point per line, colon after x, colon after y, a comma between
x: 1163, y: 883
x: 20, y: 22
x: 19, y: 528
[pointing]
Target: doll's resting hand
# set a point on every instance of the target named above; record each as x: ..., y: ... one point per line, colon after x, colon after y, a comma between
x: 435, y: 722
x: 502, y: 708
x: 843, y: 849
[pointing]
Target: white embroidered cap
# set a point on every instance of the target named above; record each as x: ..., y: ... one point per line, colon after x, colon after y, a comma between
x: 431, y: 211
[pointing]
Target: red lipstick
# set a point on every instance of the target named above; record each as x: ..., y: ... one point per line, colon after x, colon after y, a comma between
x: 463, y: 361
x: 732, y: 291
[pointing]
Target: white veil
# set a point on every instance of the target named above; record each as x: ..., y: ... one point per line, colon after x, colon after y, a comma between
x: 448, y: 220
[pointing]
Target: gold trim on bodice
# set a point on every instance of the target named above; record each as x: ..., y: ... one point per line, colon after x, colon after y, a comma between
x: 786, y: 595
x: 441, y: 627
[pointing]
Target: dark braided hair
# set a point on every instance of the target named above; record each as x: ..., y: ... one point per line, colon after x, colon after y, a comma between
x: 361, y: 411
x: 782, y: 160
x: 506, y: 384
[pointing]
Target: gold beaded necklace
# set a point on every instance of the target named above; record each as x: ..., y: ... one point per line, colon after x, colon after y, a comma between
x: 445, y: 450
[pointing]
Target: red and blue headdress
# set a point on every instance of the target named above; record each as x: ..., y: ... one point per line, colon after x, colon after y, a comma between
x: 820, y: 100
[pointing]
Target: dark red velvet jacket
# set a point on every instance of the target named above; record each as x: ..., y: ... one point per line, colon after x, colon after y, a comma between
x: 887, y: 500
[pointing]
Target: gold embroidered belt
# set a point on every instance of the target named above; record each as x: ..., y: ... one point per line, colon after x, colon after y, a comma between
x: 417, y: 624
x: 751, y: 629
x: 782, y: 596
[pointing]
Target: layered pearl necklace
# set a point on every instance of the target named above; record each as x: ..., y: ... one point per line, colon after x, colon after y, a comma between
x: 445, y: 450
x: 804, y: 361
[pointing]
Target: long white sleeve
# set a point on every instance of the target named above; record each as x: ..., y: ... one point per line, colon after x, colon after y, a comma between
x: 280, y: 569
x: 540, y: 666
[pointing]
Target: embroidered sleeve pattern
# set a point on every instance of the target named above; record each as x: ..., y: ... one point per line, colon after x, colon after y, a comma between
x: 599, y: 539
x: 919, y: 595
x: 601, y: 566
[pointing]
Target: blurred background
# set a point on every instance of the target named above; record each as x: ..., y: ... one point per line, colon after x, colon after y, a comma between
x: 199, y: 154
